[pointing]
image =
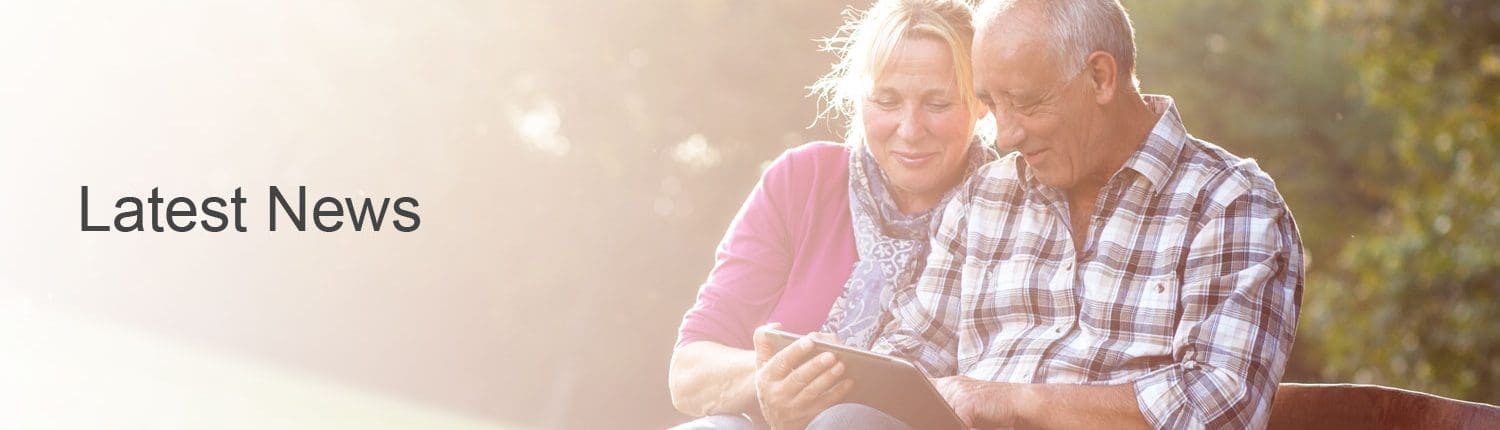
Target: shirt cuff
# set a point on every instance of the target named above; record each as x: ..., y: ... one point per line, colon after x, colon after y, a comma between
x: 1160, y: 395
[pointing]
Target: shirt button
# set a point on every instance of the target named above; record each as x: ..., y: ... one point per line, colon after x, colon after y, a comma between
x: 1057, y: 330
x: 1067, y: 265
x: 1190, y: 365
x: 1160, y: 288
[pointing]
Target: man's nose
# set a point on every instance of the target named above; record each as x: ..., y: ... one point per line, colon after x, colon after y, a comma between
x: 1008, y: 133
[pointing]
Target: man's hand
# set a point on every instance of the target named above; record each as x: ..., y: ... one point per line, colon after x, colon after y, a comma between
x: 981, y: 404
x: 794, y: 386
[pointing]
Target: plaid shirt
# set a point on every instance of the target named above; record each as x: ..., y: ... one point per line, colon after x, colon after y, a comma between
x: 1188, y: 285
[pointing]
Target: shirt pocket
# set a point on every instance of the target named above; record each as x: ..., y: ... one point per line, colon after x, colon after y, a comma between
x: 1136, y: 317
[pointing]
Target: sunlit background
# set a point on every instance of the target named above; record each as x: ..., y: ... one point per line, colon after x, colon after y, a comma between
x: 576, y: 163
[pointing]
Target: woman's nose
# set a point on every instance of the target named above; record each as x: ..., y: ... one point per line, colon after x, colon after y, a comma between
x: 909, y: 127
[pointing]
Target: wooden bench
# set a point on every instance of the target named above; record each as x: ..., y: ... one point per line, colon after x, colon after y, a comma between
x: 1350, y: 406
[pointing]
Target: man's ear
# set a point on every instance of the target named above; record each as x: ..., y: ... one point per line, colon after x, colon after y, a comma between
x: 1104, y: 76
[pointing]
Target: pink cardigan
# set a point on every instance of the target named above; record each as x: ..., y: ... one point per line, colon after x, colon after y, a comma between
x: 787, y: 253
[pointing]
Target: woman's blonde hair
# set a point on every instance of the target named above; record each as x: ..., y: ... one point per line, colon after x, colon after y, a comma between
x: 866, y: 41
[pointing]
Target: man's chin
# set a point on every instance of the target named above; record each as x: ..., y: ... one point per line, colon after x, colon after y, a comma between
x: 1052, y: 180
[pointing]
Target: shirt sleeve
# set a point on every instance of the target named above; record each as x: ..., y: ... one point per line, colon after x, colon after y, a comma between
x: 1241, y: 295
x: 924, y: 316
x: 751, y: 265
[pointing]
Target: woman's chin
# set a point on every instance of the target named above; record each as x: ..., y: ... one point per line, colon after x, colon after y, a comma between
x: 914, y: 188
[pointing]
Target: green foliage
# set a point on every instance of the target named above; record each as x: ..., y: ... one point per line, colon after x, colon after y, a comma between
x: 1380, y: 122
x: 1416, y: 299
x: 1272, y: 84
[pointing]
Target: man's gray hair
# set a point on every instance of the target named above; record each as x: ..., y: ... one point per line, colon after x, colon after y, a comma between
x: 1076, y: 28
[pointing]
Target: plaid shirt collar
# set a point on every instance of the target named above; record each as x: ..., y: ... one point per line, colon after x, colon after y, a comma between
x: 1156, y: 159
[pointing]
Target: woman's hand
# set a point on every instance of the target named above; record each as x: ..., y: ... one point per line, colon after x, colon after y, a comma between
x: 793, y: 385
x: 980, y: 404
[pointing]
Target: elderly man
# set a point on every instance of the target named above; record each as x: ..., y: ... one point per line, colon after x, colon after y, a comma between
x: 1114, y: 271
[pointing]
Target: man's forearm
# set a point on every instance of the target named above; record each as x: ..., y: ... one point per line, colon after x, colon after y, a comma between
x: 708, y: 378
x: 1069, y: 406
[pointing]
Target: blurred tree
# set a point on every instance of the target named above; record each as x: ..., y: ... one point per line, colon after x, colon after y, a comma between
x: 1414, y: 303
x: 1267, y: 80
x: 1380, y: 121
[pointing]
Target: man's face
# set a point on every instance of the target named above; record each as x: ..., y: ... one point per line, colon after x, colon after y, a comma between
x: 1043, y: 107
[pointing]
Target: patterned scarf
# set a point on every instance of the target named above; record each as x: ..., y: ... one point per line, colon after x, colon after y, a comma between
x: 892, y: 247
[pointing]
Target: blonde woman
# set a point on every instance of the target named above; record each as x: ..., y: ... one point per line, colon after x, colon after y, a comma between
x: 832, y: 228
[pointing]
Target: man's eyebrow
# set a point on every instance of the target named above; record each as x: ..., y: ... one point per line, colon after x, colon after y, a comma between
x: 1027, y: 95
x: 1009, y: 96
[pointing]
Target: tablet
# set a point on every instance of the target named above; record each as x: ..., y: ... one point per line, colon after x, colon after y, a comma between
x: 887, y: 383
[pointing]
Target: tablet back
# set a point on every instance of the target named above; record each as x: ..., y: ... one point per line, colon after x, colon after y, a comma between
x: 889, y: 384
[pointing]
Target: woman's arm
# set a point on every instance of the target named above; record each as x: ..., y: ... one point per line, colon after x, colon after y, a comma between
x: 707, y: 378
x: 713, y: 367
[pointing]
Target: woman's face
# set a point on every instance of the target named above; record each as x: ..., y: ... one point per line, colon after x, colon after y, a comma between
x: 917, y: 125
